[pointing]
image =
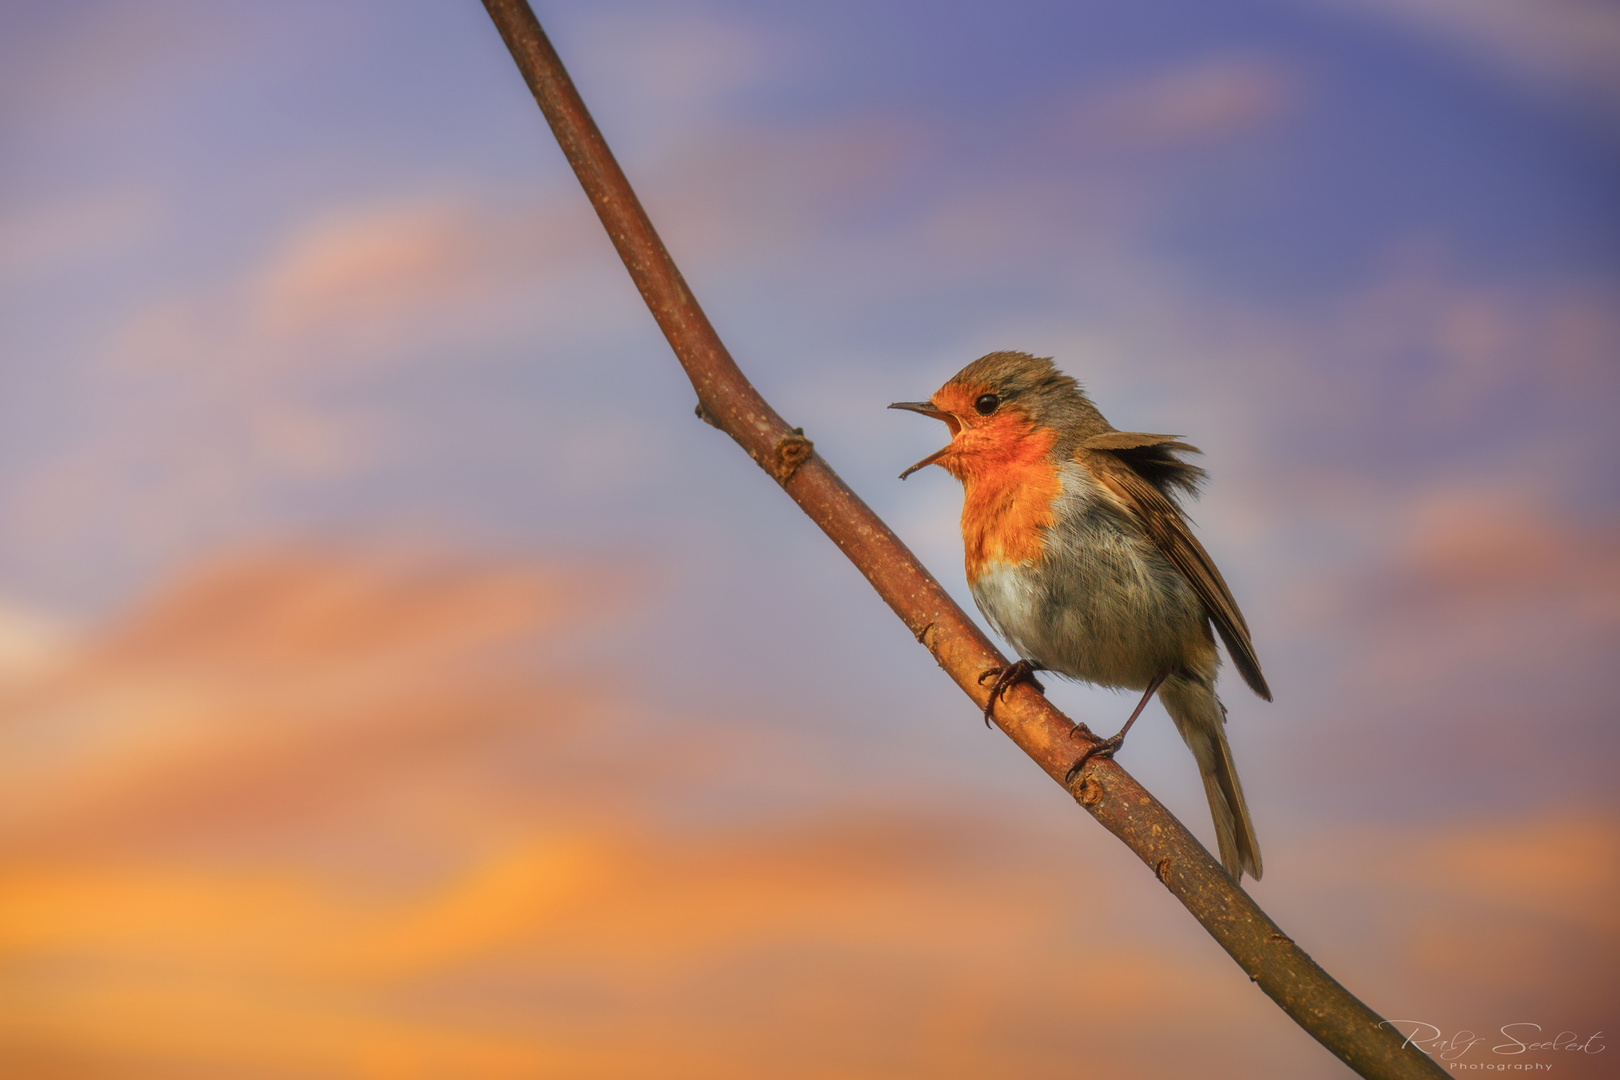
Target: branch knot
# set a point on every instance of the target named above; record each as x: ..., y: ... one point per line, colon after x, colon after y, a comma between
x: 791, y: 452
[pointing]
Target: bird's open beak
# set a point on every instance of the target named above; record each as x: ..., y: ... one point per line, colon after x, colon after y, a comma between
x: 927, y: 409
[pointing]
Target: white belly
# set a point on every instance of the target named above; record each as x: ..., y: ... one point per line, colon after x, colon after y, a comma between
x: 1101, y: 604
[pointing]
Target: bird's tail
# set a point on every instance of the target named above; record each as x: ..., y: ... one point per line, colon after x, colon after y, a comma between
x: 1201, y: 719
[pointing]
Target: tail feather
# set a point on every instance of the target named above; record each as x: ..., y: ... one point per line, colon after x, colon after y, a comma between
x: 1201, y: 719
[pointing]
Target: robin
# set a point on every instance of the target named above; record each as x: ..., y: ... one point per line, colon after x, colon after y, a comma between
x: 1078, y: 555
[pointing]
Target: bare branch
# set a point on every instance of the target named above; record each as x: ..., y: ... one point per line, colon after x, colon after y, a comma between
x: 727, y: 400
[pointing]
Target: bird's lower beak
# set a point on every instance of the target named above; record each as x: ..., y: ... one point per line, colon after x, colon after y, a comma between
x: 927, y: 409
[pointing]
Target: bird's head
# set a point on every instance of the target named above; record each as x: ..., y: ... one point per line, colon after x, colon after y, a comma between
x: 1002, y: 406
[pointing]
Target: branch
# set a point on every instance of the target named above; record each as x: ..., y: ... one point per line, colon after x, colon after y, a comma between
x: 727, y: 400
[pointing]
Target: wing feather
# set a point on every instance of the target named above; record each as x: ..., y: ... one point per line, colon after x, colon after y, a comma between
x: 1169, y: 532
x: 1130, y: 440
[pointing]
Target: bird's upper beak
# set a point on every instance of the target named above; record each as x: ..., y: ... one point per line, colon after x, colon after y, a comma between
x: 927, y: 409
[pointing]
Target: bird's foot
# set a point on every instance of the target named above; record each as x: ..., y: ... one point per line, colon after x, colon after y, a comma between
x: 1101, y: 748
x: 1106, y: 747
x: 1006, y: 678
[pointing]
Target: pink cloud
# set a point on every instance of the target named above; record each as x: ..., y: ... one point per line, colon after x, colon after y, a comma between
x: 678, y: 65
x: 367, y: 267
x: 1565, y: 45
x: 371, y: 281
x: 1210, y: 99
x: 88, y: 60
x: 67, y: 231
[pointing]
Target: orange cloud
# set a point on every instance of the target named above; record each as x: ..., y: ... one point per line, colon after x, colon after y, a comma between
x: 333, y: 814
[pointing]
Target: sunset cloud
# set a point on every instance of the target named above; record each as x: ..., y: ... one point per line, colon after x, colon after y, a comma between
x: 61, y: 233
x: 1217, y: 97
x: 1564, y: 45
x: 311, y: 826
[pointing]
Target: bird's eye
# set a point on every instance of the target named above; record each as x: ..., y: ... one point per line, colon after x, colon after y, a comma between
x: 986, y: 404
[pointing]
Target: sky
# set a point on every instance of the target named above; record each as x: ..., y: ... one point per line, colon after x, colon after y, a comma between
x: 396, y: 680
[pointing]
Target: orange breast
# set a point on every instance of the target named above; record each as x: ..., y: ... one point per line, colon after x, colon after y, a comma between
x: 1009, y: 487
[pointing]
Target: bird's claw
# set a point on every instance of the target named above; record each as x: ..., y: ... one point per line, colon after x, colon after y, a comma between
x: 1006, y: 678
x: 1106, y: 747
x: 1103, y: 748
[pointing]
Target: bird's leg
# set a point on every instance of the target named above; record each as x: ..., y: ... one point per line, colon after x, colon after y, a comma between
x: 1006, y: 678
x: 1106, y: 747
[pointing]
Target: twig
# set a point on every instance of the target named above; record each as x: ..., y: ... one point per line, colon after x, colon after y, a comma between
x: 727, y: 400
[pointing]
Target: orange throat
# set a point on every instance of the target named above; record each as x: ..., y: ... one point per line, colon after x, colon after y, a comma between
x: 1009, y: 485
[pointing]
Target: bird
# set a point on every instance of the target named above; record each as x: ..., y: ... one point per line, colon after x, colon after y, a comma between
x: 1077, y: 553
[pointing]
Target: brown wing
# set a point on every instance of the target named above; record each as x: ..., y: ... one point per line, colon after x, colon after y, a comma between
x: 1165, y: 525
x: 1130, y: 440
